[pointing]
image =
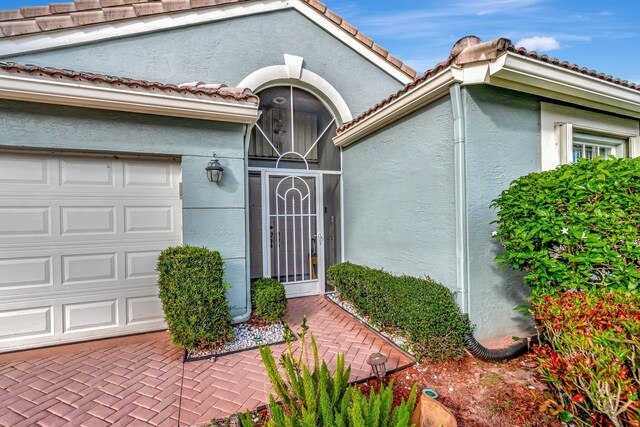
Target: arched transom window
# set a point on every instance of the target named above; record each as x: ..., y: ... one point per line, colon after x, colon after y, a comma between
x: 295, y: 130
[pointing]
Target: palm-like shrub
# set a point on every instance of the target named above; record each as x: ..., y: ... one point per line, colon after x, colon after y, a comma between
x: 313, y: 397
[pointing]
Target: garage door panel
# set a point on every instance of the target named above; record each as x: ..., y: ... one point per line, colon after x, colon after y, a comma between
x: 20, y: 170
x: 89, y: 268
x: 87, y: 220
x: 146, y: 309
x: 79, y: 242
x: 148, y: 219
x: 32, y: 322
x: 147, y: 175
x: 90, y: 316
x: 26, y: 272
x: 87, y: 172
x: 141, y: 264
x: 25, y: 221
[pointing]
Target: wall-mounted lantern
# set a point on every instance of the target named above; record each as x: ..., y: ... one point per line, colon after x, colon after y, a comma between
x: 214, y: 169
x: 378, y: 364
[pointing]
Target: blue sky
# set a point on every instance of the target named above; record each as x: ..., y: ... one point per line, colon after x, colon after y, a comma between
x: 603, y: 35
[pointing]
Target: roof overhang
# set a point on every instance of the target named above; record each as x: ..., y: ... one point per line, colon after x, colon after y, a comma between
x: 510, y: 71
x: 533, y: 76
x: 50, y: 91
x: 423, y: 94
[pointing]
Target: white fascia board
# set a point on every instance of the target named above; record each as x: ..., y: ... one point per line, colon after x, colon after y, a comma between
x: 105, y: 98
x: 108, y: 30
x: 426, y: 92
x: 524, y: 74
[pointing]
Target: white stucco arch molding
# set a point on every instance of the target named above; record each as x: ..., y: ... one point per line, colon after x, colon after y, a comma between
x: 293, y: 73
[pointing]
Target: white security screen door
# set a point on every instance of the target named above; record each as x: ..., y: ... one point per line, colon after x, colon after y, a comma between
x: 293, y: 246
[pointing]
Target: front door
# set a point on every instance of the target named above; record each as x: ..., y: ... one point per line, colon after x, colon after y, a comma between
x: 293, y: 243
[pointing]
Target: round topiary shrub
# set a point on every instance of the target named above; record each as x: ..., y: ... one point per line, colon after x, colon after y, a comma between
x: 269, y: 299
x: 575, y: 227
x: 193, y: 295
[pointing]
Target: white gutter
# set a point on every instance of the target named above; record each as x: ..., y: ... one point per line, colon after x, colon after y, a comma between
x: 423, y: 94
x: 240, y: 318
x: 50, y: 91
x: 517, y: 72
x: 460, y: 161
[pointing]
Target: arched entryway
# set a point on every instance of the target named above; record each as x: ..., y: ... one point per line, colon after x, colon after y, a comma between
x: 294, y: 191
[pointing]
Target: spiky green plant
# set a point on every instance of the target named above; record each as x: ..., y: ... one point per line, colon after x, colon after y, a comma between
x: 312, y: 397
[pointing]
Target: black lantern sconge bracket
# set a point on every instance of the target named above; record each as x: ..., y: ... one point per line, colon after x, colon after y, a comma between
x: 214, y: 169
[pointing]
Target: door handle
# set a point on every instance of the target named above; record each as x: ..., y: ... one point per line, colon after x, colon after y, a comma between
x: 320, y: 239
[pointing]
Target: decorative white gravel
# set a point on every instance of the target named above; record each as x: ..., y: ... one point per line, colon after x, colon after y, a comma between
x: 398, y: 339
x: 245, y: 338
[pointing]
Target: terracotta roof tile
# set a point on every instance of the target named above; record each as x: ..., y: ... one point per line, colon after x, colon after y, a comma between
x: 197, y: 90
x: 87, y: 17
x: 33, y: 11
x: 54, y: 22
x: 88, y: 12
x: 498, y: 46
x: 62, y: 7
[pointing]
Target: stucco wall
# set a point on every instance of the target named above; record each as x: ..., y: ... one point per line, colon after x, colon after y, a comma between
x: 503, y: 143
x: 226, y: 52
x: 399, y: 196
x: 213, y: 215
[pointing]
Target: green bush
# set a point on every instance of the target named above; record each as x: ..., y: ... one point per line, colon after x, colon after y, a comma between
x: 592, y: 355
x: 193, y: 296
x: 423, y: 310
x: 269, y: 299
x: 575, y: 227
x: 313, y: 397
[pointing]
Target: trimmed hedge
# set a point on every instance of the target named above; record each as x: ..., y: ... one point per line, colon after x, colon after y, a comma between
x: 269, y: 299
x: 591, y: 356
x: 193, y: 296
x: 575, y: 227
x: 425, y: 311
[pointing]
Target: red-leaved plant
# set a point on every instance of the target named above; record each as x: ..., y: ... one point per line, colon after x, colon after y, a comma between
x: 592, y: 355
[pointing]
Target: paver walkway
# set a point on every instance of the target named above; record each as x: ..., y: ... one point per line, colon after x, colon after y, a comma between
x: 136, y: 381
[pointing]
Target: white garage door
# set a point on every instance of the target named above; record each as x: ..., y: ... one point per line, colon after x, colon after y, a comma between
x: 79, y: 239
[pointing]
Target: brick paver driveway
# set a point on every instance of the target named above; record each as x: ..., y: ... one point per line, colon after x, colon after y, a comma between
x: 137, y: 380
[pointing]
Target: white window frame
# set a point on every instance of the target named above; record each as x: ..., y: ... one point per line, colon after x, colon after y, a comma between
x: 557, y: 125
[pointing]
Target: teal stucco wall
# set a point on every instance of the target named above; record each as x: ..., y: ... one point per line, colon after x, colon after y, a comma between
x: 213, y: 215
x: 399, y: 196
x: 228, y: 51
x: 503, y: 143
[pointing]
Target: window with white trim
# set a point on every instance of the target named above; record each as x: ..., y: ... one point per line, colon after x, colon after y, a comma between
x: 569, y: 134
x: 591, y: 145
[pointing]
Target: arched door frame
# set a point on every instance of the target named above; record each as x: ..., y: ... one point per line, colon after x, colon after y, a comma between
x: 293, y: 74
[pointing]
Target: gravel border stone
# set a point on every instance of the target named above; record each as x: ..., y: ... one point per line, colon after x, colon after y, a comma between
x: 247, y: 337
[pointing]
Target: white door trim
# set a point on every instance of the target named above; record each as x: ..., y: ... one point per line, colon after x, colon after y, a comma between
x: 266, y: 174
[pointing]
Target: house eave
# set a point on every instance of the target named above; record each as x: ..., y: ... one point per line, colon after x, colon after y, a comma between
x: 425, y: 93
x: 510, y: 71
x: 48, y: 91
x: 513, y: 71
